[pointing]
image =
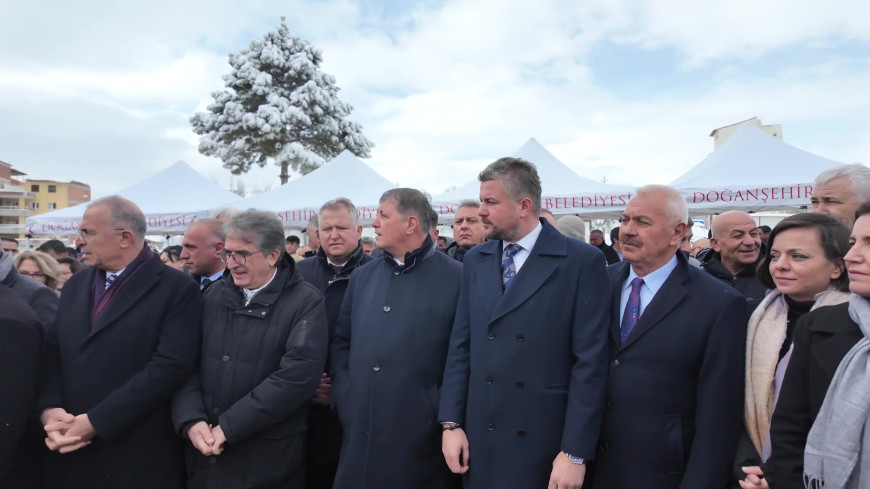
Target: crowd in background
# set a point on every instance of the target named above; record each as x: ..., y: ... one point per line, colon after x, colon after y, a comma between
x: 242, y: 359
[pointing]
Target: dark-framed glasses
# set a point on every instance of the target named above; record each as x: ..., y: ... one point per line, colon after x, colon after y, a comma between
x: 87, y: 233
x: 240, y: 257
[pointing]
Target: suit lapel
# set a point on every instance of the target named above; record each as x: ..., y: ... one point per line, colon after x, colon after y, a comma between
x: 133, y: 291
x: 535, y: 272
x: 665, y: 300
x: 487, y: 276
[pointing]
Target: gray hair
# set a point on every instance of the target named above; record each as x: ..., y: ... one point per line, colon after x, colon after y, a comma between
x: 224, y: 214
x: 520, y: 179
x: 469, y: 203
x: 261, y: 228
x: 313, y: 222
x: 368, y: 240
x: 412, y: 201
x: 858, y: 175
x: 675, y: 208
x: 340, y: 203
x: 125, y: 214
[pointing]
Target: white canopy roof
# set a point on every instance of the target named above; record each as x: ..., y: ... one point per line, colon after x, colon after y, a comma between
x: 752, y: 170
x: 345, y: 176
x: 563, y: 190
x: 170, y: 199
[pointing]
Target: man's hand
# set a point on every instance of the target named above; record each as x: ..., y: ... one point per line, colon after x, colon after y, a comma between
x: 200, y: 436
x: 321, y: 396
x: 219, y: 440
x: 566, y: 474
x: 454, y: 446
x: 56, y: 422
x: 754, y: 478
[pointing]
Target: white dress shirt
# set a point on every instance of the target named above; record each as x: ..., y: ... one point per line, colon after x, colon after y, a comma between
x: 526, y: 243
x: 652, y: 282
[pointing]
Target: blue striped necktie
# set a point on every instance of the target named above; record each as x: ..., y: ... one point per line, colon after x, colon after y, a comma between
x: 110, y: 279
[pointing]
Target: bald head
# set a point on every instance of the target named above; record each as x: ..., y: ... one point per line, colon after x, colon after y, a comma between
x: 736, y: 238
x: 200, y: 246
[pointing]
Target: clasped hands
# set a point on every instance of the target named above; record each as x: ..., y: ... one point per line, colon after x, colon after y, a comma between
x: 65, y: 432
x: 208, y: 439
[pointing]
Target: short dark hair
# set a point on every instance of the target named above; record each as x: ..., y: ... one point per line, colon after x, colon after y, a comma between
x: 7, y: 238
x: 862, y: 209
x: 74, y: 265
x: 293, y: 239
x: 54, y: 245
x: 520, y: 179
x: 833, y: 237
x: 614, y: 234
x: 173, y: 252
x: 596, y: 231
x: 765, y: 229
x: 412, y: 201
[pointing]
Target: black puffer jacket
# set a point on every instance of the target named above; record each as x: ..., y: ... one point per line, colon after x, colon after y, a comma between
x: 43, y: 300
x: 744, y: 282
x: 261, y: 364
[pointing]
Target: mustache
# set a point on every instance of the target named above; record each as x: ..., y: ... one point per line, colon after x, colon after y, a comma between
x: 631, y: 242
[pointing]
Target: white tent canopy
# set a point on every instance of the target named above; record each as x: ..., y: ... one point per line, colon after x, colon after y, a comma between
x: 752, y: 170
x: 170, y: 199
x: 345, y: 176
x: 563, y: 190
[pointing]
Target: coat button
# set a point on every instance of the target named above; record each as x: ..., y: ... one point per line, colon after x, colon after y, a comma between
x: 491, y: 335
x: 520, y: 337
x: 376, y: 367
x: 521, y: 434
x: 603, y: 446
x: 386, y: 308
x: 225, y: 358
x: 490, y: 427
x: 489, y: 380
x: 519, y: 385
x: 607, y: 405
x: 614, y: 363
x: 212, y: 460
x: 368, y: 432
x: 263, y: 313
x: 216, y: 410
x: 396, y: 272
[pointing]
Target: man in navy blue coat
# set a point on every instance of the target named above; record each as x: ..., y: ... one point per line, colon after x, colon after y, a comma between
x: 523, y: 391
x: 677, y: 345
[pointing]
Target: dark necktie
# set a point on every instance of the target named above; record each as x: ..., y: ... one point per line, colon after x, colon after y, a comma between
x: 335, y: 268
x: 205, y: 283
x: 508, y: 268
x: 110, y: 279
x: 632, y: 309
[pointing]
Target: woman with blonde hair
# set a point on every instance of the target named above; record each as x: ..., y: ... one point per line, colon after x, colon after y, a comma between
x: 39, y: 266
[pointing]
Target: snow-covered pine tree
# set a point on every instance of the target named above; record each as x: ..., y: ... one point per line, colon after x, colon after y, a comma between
x: 278, y: 107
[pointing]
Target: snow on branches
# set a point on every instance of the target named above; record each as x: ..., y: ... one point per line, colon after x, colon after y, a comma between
x: 278, y: 107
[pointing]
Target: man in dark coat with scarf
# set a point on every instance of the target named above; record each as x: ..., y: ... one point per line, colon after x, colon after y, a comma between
x: 339, y: 254
x: 263, y: 347
x: 388, y: 354
x: 125, y: 339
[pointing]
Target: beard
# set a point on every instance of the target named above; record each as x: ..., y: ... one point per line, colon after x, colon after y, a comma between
x: 509, y: 233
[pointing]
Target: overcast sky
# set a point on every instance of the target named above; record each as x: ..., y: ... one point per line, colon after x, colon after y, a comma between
x: 627, y: 90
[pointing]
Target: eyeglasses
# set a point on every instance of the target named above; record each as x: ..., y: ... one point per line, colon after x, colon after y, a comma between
x: 87, y: 233
x: 32, y: 275
x: 240, y: 257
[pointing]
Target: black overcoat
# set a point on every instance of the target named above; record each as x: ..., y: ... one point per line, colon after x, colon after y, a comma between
x: 123, y: 371
x: 674, y: 406
x: 526, y: 371
x: 388, y: 358
x: 822, y: 338
x: 261, y: 364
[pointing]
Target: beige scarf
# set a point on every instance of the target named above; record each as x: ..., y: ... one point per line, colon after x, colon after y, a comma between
x: 764, y: 338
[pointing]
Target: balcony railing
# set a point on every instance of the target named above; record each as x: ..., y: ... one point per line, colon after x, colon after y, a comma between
x: 12, y: 228
x: 15, y: 210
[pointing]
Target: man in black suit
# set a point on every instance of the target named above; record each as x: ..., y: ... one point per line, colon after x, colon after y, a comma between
x: 126, y: 338
x: 523, y: 390
x: 199, y: 251
x: 596, y: 239
x: 20, y: 341
x: 677, y: 343
x: 339, y: 254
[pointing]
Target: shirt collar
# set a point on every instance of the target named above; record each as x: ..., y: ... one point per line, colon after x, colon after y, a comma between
x: 214, y: 277
x: 250, y: 293
x: 653, y: 280
x: 528, y: 241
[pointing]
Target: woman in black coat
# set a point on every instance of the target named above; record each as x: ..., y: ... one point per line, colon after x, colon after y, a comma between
x: 822, y: 339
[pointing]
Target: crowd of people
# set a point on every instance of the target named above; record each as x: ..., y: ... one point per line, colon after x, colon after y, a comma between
x: 242, y: 359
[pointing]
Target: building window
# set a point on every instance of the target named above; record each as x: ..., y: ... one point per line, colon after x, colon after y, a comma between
x: 52, y: 205
x: 52, y: 189
x: 34, y: 205
x: 34, y: 188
